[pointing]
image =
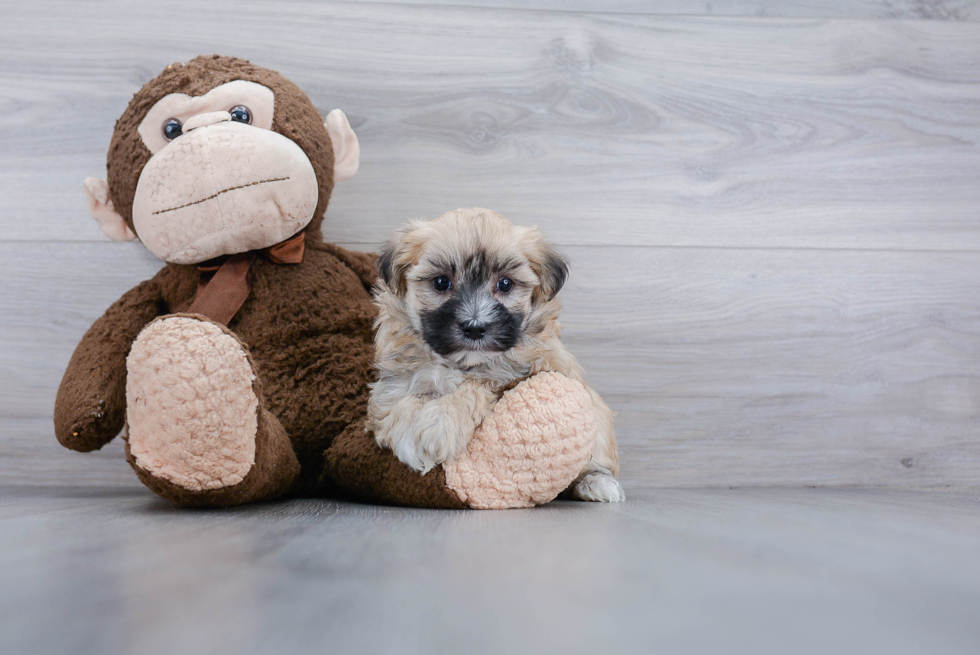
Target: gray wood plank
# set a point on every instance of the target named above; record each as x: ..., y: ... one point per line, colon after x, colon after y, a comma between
x: 951, y: 10
x: 609, y: 129
x: 727, y: 367
x: 31, y: 456
x: 106, y: 571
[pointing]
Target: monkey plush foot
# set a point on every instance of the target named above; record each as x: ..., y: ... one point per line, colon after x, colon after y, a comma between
x: 536, y: 442
x: 198, y: 433
x: 193, y: 416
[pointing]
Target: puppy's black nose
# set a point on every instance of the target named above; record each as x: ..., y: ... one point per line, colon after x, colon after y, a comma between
x: 473, y: 330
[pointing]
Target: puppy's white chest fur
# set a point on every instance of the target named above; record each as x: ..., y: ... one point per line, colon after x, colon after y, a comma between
x: 435, y: 381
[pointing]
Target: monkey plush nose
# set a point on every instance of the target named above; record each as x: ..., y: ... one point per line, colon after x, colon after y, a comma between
x: 201, y: 120
x: 473, y: 330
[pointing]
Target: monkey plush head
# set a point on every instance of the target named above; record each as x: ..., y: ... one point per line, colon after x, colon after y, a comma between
x: 219, y: 156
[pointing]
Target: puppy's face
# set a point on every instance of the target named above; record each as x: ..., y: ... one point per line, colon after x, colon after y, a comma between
x: 470, y: 281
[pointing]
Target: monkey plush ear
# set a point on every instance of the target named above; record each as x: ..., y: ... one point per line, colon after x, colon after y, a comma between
x: 346, y: 150
x: 100, y: 207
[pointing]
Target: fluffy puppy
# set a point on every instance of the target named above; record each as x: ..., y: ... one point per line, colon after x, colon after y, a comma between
x: 468, y: 309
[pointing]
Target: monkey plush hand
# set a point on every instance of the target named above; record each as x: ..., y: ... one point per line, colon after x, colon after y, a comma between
x: 241, y: 369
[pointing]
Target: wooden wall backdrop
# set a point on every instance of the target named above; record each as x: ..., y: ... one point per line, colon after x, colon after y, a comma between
x: 772, y: 208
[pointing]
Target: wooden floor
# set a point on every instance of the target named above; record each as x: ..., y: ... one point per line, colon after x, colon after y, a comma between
x: 105, y: 571
x: 772, y: 208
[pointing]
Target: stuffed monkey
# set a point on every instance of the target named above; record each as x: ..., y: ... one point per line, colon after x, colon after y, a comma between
x: 240, y: 371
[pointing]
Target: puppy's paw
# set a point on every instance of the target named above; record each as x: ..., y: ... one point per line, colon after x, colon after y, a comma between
x: 402, y: 440
x: 598, y: 487
x: 439, y: 435
x: 407, y: 452
x: 397, y: 434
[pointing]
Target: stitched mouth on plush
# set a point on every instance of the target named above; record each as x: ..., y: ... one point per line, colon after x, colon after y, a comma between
x: 215, y: 195
x: 198, y: 182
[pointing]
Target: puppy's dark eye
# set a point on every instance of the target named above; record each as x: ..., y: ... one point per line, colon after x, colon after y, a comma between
x: 441, y: 284
x: 504, y: 285
x: 172, y: 129
x: 241, y: 114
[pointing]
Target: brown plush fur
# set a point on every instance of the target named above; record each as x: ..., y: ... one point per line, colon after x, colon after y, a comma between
x: 307, y: 329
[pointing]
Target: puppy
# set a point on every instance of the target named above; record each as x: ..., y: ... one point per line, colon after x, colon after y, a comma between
x: 468, y: 309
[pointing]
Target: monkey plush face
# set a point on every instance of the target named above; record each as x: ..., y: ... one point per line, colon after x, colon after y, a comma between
x: 218, y: 157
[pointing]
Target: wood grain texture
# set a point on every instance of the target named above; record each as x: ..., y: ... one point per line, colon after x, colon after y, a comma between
x: 726, y: 366
x: 30, y: 455
x: 774, y: 222
x: 676, y: 131
x: 763, y: 572
x: 951, y: 10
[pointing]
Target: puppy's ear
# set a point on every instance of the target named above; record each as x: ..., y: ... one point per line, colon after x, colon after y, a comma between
x: 386, y: 263
x: 398, y: 255
x: 554, y: 272
x: 548, y: 264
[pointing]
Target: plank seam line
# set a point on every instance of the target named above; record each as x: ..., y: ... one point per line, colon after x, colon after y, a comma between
x: 664, y: 16
x: 377, y: 244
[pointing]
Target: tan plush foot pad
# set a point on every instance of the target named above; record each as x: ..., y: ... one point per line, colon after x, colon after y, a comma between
x: 533, y: 446
x: 190, y: 406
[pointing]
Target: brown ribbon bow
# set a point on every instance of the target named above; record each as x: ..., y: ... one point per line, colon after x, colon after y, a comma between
x: 225, y: 283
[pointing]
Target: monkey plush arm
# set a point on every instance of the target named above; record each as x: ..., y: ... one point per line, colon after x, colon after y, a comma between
x: 90, y: 409
x: 535, y: 442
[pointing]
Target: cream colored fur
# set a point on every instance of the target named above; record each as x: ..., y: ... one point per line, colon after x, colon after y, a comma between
x: 190, y: 407
x: 426, y: 407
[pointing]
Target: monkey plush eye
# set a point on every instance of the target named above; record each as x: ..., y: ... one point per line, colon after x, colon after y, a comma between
x: 172, y: 129
x: 504, y: 285
x: 442, y: 284
x: 241, y: 114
